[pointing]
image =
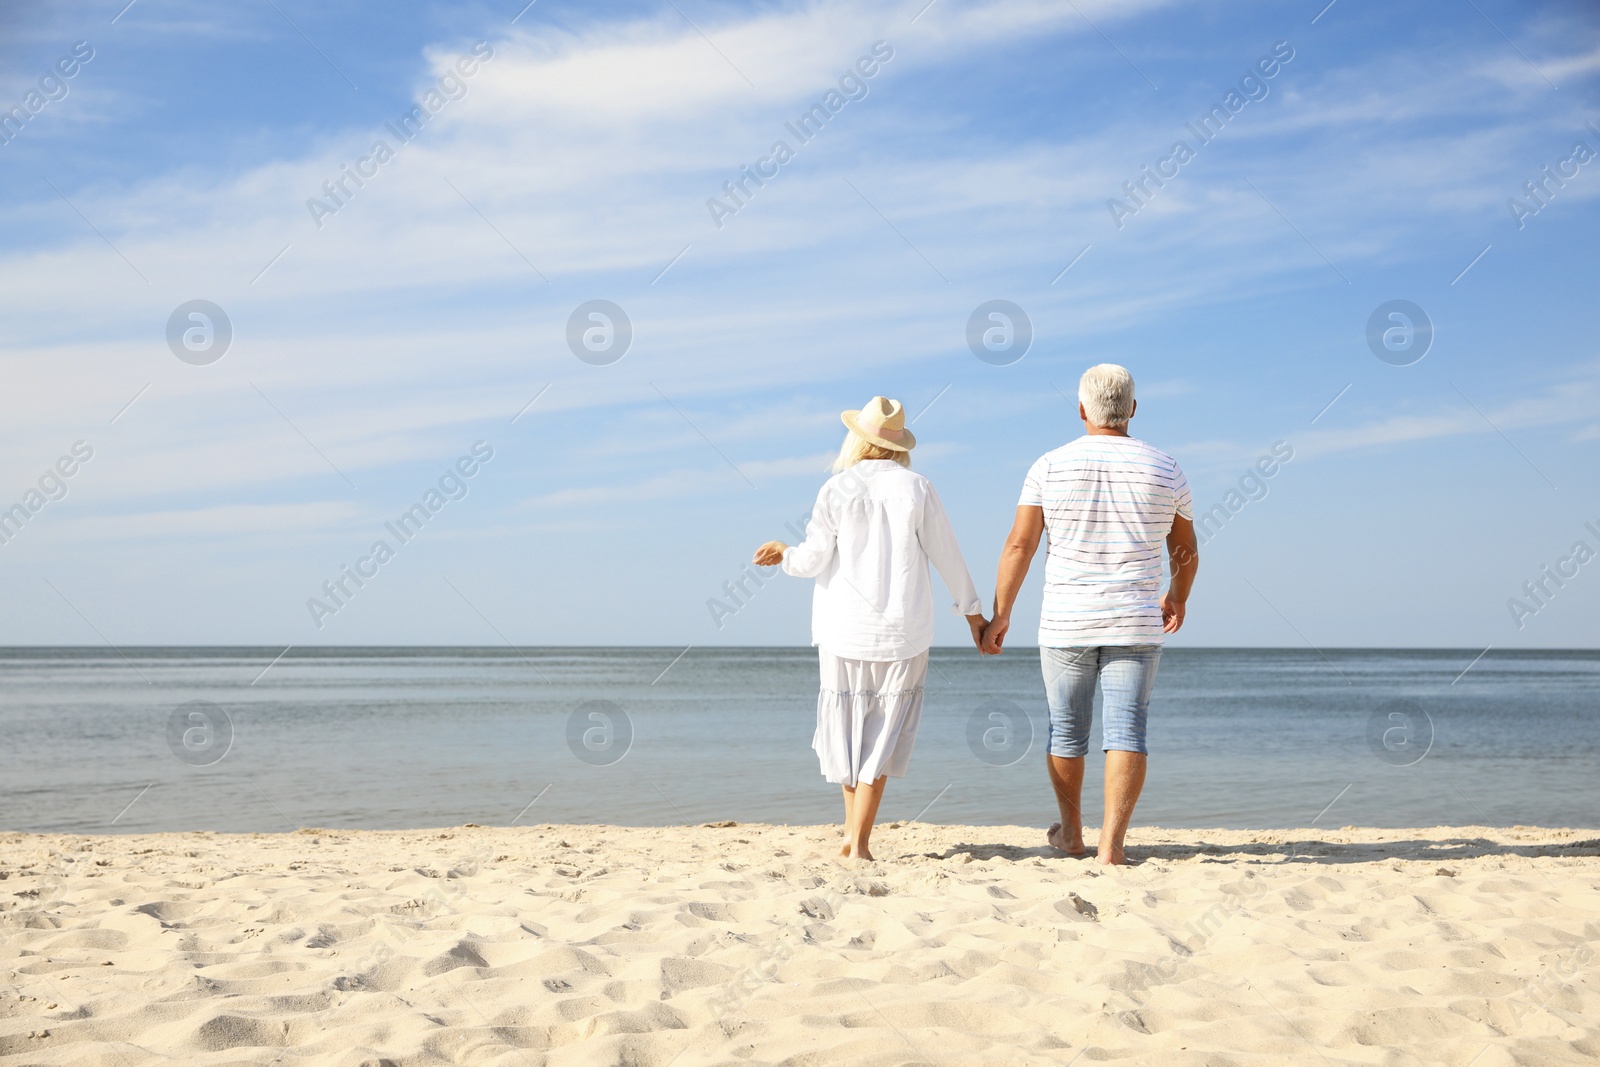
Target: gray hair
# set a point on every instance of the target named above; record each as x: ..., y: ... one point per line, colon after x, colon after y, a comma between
x: 1106, y: 393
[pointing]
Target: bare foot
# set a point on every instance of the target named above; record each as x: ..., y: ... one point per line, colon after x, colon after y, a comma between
x: 1112, y: 858
x: 859, y: 854
x: 1058, y: 840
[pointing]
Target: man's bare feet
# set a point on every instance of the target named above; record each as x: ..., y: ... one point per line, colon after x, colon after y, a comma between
x: 1059, y: 840
x: 1114, y: 857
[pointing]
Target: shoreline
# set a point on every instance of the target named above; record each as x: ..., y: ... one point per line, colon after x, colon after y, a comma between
x: 567, y: 944
x: 1152, y: 841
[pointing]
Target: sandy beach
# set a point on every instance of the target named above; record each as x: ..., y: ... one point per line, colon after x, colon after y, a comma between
x: 739, y: 944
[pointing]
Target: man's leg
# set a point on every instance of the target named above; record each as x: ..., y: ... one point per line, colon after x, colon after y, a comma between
x: 1127, y: 675
x: 1124, y: 781
x: 1069, y: 678
x: 1066, y: 778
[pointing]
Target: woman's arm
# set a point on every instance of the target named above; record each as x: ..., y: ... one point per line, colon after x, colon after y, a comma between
x: 810, y: 557
x: 939, y: 542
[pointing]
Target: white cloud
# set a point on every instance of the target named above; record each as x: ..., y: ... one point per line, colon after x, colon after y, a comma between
x: 1557, y: 405
x: 233, y: 521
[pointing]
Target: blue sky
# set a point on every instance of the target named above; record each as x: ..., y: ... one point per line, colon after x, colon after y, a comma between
x: 371, y: 351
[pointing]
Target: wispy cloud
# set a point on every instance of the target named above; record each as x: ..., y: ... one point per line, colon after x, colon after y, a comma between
x: 1559, y: 405
x: 236, y: 522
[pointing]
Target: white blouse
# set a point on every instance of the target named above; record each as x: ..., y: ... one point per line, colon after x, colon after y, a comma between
x: 872, y: 533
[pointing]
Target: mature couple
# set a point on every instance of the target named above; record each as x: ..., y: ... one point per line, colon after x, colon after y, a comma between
x: 1105, y: 502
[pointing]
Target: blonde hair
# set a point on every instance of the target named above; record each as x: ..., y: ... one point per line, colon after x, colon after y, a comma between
x: 1106, y: 393
x: 857, y: 448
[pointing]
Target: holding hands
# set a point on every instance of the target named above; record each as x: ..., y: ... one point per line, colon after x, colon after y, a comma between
x: 770, y: 554
x: 994, y: 635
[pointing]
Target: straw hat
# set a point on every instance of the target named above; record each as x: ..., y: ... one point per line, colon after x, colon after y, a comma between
x: 883, y: 422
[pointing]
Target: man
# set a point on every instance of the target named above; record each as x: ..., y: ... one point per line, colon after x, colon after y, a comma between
x: 1107, y: 501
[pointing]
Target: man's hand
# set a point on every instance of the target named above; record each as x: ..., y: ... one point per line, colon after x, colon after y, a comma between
x: 977, y: 623
x: 770, y: 554
x: 1172, y: 610
x: 994, y: 635
x: 1183, y: 551
x: 1021, y: 543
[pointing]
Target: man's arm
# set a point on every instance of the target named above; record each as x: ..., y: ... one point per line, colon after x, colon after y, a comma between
x: 1015, y: 559
x: 1183, y: 552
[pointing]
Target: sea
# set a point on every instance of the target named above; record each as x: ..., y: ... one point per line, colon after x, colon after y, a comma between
x: 262, y: 740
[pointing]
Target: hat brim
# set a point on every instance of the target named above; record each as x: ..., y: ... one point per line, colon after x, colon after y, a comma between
x: 906, y: 443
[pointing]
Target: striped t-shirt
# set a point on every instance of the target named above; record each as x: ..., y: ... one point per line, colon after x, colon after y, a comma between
x: 1108, y: 505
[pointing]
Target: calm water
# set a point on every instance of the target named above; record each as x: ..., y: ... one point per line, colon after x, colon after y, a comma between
x: 388, y: 738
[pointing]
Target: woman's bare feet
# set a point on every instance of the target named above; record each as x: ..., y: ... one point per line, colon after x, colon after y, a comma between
x: 860, y: 811
x: 1057, y: 839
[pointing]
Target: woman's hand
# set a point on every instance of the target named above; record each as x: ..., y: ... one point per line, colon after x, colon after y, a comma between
x: 977, y: 623
x: 770, y: 554
x: 994, y: 635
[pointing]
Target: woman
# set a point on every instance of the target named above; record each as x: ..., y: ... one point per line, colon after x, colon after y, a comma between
x: 874, y: 529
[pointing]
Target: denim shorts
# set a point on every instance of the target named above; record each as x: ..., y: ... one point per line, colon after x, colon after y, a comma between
x: 1126, y: 674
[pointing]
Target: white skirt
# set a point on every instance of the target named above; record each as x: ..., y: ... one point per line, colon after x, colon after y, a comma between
x: 867, y: 716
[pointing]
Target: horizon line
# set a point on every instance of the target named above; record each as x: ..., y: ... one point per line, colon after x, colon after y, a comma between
x: 289, y: 652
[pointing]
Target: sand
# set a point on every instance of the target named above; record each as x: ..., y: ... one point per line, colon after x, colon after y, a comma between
x: 749, y: 944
